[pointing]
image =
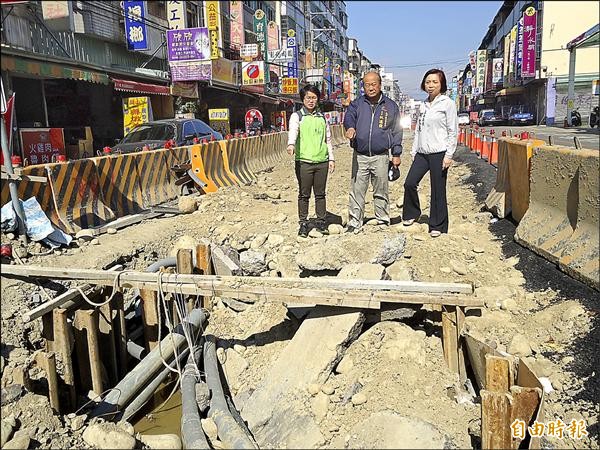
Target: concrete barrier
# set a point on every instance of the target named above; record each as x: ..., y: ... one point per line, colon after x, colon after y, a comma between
x: 562, y: 223
x: 119, y: 182
x: 77, y: 196
x: 198, y: 168
x: 498, y: 200
x: 237, y: 160
x: 155, y: 177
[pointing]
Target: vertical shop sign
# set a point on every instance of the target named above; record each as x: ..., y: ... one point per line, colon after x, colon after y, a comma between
x: 292, y: 66
x: 529, y: 42
x: 212, y: 21
x: 135, y: 25
x: 176, y: 15
x: 260, y: 28
x: 236, y: 12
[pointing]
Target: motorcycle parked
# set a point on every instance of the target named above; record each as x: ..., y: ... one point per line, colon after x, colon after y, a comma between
x: 575, y: 118
x: 595, y: 117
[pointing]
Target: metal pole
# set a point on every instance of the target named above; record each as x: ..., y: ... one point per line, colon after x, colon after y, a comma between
x: 571, y: 91
x: 12, y: 184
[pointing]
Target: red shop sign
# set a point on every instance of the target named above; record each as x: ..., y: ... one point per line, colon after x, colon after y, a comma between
x: 40, y: 145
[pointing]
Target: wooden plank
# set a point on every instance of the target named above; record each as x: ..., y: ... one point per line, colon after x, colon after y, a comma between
x: 64, y: 298
x: 495, y: 417
x: 121, y: 333
x: 81, y: 348
x: 477, y: 351
x: 524, y: 405
x: 102, y: 277
x: 185, y: 265
x: 88, y: 320
x: 63, y: 346
x: 14, y: 176
x: 47, y: 361
x: 107, y: 341
x: 450, y: 337
x: 497, y: 374
x: 48, y: 331
x: 204, y: 265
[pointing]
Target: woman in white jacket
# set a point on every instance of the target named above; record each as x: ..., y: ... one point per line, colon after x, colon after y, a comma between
x: 432, y: 151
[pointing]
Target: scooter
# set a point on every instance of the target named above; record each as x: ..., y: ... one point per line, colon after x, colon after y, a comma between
x: 595, y: 117
x: 575, y: 118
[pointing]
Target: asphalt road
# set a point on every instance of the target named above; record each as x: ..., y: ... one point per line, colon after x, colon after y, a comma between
x: 588, y: 137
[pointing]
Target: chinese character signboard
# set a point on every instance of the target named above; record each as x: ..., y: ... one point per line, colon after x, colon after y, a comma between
x: 481, y: 57
x: 512, y: 54
x: 212, y: 20
x: 529, y: 42
x: 191, y: 70
x: 236, y: 13
x: 188, y: 44
x: 249, y: 51
x: 289, y: 85
x: 176, y: 15
x: 273, y: 36
x: 253, y: 73
x: 506, y: 55
x: 219, y: 120
x: 41, y: 145
x: 519, y: 62
x: 260, y: 28
x: 136, y: 111
x: 292, y: 66
x: 135, y: 25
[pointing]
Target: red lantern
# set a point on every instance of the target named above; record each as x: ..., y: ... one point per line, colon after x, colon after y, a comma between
x: 16, y: 161
x: 61, y: 158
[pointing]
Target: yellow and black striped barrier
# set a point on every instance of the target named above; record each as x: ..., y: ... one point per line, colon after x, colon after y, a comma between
x: 155, y: 177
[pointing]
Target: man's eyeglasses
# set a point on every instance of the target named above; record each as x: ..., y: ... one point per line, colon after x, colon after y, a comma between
x: 373, y: 84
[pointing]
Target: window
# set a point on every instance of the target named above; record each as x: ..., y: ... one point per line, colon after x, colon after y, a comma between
x: 158, y: 9
x: 192, y: 15
x: 154, y: 132
x: 270, y: 15
x: 188, y: 129
x: 201, y: 128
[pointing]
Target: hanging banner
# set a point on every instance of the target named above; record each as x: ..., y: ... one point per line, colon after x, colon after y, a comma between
x: 497, y: 70
x: 529, y: 42
x: 289, y: 85
x: 135, y: 25
x: 42, y: 145
x: 185, y: 89
x: 188, y: 44
x: 506, y: 58
x: 136, y: 111
x: 253, y: 73
x: 224, y: 70
x: 236, y: 14
x: 512, y: 54
x: 292, y: 66
x: 481, y: 57
x: 249, y: 51
x: 519, y: 60
x: 176, y: 15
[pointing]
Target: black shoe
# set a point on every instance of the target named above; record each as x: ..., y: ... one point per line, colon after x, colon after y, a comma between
x: 352, y: 230
x: 303, y: 230
x: 322, y: 227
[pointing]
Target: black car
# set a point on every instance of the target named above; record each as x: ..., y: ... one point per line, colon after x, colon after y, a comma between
x: 156, y: 134
x: 489, y: 117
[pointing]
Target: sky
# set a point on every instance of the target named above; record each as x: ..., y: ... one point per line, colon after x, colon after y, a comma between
x: 425, y: 34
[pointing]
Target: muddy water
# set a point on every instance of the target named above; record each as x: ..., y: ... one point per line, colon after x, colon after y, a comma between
x: 165, y: 419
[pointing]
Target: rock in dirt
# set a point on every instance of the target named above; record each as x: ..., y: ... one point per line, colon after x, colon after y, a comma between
x: 233, y: 368
x: 7, y: 426
x: 387, y: 430
x: 111, y: 231
x: 183, y: 242
x: 391, y: 250
x: 335, y: 228
x: 210, y: 428
x: 86, y: 234
x: 253, y: 263
x: 275, y: 239
x: 20, y: 441
x: 273, y: 194
x: 314, y: 233
x: 108, y: 435
x: 359, y: 399
x: 320, y: 405
x: 187, y: 205
x: 519, y: 346
x: 258, y: 241
x: 458, y: 267
x: 399, y: 271
x: 572, y: 312
x: 345, y: 365
x: 161, y: 441
x: 362, y: 271
x: 202, y: 396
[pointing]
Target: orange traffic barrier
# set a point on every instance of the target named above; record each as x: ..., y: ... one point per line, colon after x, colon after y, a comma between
x: 461, y: 136
x: 493, y: 160
x: 485, y: 147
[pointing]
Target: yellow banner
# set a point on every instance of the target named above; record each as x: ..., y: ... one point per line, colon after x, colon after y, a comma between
x: 218, y: 114
x: 289, y: 85
x: 136, y: 111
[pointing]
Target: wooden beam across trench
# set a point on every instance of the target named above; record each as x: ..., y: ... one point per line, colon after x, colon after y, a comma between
x: 320, y: 291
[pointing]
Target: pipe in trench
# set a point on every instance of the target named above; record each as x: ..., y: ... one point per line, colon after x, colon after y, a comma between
x: 230, y: 432
x: 192, y: 435
x: 149, y: 367
x: 147, y: 393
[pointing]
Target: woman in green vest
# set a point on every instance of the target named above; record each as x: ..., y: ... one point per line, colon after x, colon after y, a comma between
x: 309, y: 139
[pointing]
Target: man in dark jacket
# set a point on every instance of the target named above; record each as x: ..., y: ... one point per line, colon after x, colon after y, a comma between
x: 372, y: 124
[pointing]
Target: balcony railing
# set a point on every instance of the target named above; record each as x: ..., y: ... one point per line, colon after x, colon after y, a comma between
x: 23, y: 34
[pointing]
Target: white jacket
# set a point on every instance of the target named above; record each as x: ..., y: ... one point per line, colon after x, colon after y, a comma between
x: 437, y: 127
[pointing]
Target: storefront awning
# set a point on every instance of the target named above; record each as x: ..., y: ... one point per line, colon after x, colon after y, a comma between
x: 510, y: 91
x: 140, y: 88
x: 51, y: 70
x: 268, y: 99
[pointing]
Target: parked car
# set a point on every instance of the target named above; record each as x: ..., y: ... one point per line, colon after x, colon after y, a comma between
x: 463, y: 119
x: 156, y: 134
x: 519, y: 115
x: 489, y: 117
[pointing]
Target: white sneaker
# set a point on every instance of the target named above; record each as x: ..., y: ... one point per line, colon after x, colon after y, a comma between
x: 435, y: 233
x: 408, y: 222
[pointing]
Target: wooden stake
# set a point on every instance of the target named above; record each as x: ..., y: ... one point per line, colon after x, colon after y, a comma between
x: 47, y: 361
x: 81, y: 348
x: 150, y: 314
x: 450, y: 337
x: 48, y: 331
x: 121, y: 333
x: 525, y: 402
x: 64, y: 345
x: 89, y: 321
x: 204, y: 265
x: 107, y: 340
x: 497, y: 374
x: 185, y: 265
x: 460, y: 324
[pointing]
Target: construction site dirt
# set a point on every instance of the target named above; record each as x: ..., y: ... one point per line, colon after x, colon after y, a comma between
x: 379, y: 380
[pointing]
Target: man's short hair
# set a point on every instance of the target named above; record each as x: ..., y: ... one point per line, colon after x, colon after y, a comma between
x: 375, y: 72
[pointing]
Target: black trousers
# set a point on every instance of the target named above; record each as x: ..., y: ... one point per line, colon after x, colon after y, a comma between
x: 312, y: 177
x: 438, y: 209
